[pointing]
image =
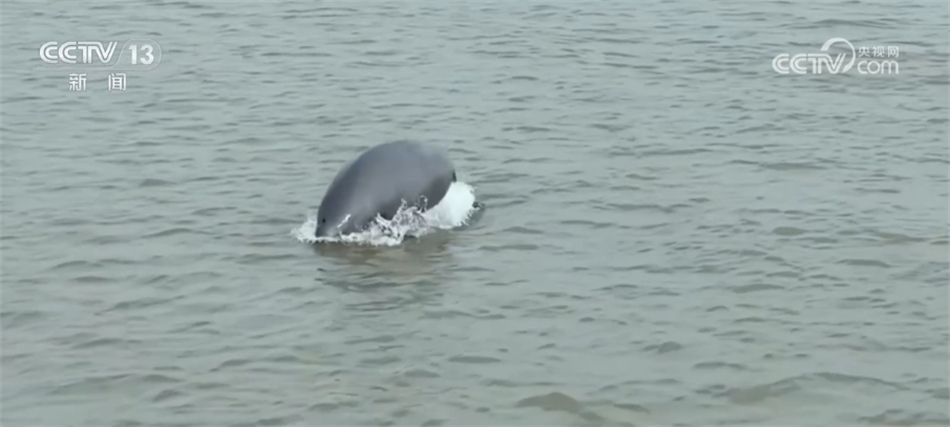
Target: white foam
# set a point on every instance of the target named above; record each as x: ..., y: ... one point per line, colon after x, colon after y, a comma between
x: 454, y: 210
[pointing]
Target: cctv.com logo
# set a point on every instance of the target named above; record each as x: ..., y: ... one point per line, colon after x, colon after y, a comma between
x: 840, y: 63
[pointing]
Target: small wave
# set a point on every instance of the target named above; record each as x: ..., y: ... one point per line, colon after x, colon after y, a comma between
x: 454, y: 210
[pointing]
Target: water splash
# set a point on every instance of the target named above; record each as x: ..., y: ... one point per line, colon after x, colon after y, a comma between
x: 455, y: 209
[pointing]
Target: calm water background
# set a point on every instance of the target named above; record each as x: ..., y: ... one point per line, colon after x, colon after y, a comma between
x: 675, y: 233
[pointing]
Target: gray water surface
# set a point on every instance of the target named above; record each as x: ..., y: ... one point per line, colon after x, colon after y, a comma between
x: 674, y: 232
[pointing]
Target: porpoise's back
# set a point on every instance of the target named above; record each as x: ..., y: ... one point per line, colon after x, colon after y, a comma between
x: 388, y: 173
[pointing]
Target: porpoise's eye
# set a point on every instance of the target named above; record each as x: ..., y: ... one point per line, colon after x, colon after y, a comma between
x: 323, y: 221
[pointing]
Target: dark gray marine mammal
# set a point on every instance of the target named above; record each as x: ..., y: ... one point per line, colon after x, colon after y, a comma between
x: 379, y: 181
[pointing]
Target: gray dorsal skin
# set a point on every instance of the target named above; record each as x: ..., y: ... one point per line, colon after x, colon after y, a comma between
x: 379, y: 180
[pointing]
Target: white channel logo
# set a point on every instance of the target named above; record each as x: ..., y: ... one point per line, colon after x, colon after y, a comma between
x: 840, y: 63
x: 136, y: 54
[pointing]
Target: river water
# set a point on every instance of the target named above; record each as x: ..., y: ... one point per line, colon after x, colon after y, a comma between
x: 673, y: 232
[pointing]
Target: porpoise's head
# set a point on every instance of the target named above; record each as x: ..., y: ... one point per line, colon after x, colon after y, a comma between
x: 341, y: 214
